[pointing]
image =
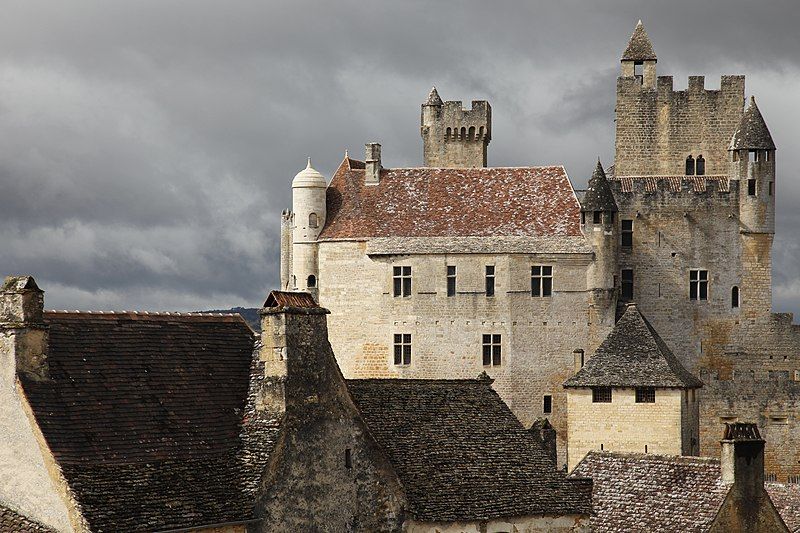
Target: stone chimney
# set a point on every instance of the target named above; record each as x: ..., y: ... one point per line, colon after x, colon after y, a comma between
x: 23, y: 334
x: 372, y: 162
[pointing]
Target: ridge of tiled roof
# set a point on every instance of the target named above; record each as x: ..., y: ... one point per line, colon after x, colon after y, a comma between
x: 460, y: 452
x: 633, y: 355
x: 144, y: 413
x: 598, y: 195
x: 752, y: 133
x: 639, y: 46
x: 12, y: 521
x: 650, y: 492
x: 450, y: 202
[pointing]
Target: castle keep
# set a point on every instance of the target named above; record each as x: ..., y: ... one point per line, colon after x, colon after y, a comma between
x: 454, y: 268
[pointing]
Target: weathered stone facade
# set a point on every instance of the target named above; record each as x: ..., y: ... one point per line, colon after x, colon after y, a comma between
x: 452, y: 136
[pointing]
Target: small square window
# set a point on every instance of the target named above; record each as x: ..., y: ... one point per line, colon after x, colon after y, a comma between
x: 547, y: 404
x: 601, y: 395
x: 645, y: 395
x: 492, y: 350
x: 402, y: 349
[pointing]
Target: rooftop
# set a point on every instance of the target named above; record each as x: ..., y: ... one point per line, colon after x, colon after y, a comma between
x: 639, y: 46
x: 752, y: 132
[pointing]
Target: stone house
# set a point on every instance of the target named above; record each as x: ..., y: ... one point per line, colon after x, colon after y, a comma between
x: 647, y: 492
x: 451, y: 268
x: 633, y: 395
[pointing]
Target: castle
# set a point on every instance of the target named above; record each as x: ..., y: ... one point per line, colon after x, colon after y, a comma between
x: 453, y: 268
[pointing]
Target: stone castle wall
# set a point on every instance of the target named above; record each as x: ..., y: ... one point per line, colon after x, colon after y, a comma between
x: 454, y: 137
x: 539, y: 335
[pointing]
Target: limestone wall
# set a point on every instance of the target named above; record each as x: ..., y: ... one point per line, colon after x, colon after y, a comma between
x: 539, y: 335
x: 526, y: 524
x: 623, y: 425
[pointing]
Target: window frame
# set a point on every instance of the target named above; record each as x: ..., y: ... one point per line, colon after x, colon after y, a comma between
x: 690, y: 166
x: 626, y: 234
x: 492, y: 349
x: 627, y: 295
x: 645, y: 395
x: 313, y: 220
x: 597, y: 217
x: 401, y: 281
x: 490, y: 273
x: 402, y: 349
x: 736, y: 297
x: 541, y: 281
x: 700, y: 166
x: 699, y: 282
x: 547, y: 404
x: 451, y: 272
x: 752, y: 187
x: 602, y: 395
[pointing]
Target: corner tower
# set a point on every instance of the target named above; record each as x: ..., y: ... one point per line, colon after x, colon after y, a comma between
x: 752, y: 164
x: 454, y: 137
x: 309, y: 190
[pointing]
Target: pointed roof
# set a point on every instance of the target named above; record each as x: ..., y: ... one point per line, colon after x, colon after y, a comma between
x: 752, y: 132
x: 598, y: 196
x: 639, y: 47
x: 633, y: 355
x: 433, y: 98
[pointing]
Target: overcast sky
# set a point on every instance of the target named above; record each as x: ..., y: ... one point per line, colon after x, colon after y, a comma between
x: 147, y: 147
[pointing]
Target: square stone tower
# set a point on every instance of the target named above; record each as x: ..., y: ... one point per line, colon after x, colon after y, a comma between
x: 454, y: 137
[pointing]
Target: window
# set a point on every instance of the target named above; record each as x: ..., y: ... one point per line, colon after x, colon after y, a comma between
x: 700, y: 166
x: 645, y: 395
x: 735, y: 155
x: 489, y: 280
x: 541, y: 280
x: 734, y: 297
x: 638, y: 70
x: 492, y: 350
x: 348, y: 458
x: 313, y: 220
x: 698, y: 284
x: 596, y: 217
x: 402, y: 280
x: 627, y: 233
x: 767, y: 155
x: 751, y: 187
x: 752, y: 156
x: 583, y: 217
x: 601, y: 395
x: 547, y: 404
x: 771, y: 187
x: 451, y: 280
x: 312, y: 281
x: 580, y: 359
x: 402, y: 348
x: 690, y: 166
x: 627, y: 284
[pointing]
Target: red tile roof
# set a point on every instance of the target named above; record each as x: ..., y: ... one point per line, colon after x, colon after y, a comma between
x: 443, y: 202
x: 282, y: 299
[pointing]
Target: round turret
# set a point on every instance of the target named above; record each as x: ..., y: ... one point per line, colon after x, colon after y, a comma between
x: 309, y: 189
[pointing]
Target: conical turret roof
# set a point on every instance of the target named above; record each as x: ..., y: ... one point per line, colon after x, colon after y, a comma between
x: 633, y: 355
x: 752, y: 133
x: 598, y: 195
x: 433, y: 98
x: 308, y: 177
x: 639, y: 47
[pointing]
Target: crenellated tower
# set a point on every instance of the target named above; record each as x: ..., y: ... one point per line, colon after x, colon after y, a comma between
x: 454, y: 137
x: 752, y: 164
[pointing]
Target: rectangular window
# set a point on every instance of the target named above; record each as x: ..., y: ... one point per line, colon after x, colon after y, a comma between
x: 627, y: 284
x: 402, y: 348
x: 771, y: 187
x: 451, y: 280
x: 583, y: 217
x: 698, y: 284
x: 601, y: 394
x: 645, y: 395
x: 401, y: 276
x: 596, y: 217
x: 492, y: 350
x: 541, y: 280
x: 752, y: 156
x: 751, y: 187
x: 627, y: 233
x: 489, y: 280
x: 547, y: 404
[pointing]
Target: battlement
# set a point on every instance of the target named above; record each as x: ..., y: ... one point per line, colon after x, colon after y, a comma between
x: 454, y: 136
x: 470, y: 124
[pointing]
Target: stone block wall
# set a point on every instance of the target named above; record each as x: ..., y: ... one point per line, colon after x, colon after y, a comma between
x: 454, y: 137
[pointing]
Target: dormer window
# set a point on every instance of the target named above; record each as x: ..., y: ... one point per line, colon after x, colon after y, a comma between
x: 690, y: 166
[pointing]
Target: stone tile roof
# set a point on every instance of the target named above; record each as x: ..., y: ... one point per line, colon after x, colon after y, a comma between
x: 434, y: 98
x: 639, y: 47
x: 460, y: 452
x: 752, y: 132
x: 144, y: 413
x: 14, y: 522
x: 675, y: 183
x: 598, y: 195
x: 282, y: 299
x: 646, y: 492
x: 633, y: 355
x: 481, y: 245
x: 451, y: 202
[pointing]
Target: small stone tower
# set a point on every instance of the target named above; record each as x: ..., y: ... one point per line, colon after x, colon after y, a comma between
x: 309, y: 189
x: 639, y: 58
x: 752, y: 164
x: 23, y: 333
x: 454, y: 137
x: 599, y: 225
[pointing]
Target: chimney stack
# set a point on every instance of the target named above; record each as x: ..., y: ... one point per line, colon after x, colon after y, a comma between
x: 23, y: 333
x: 742, y: 461
x: 372, y: 162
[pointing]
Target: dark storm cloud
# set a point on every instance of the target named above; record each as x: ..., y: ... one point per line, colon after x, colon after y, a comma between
x: 148, y: 147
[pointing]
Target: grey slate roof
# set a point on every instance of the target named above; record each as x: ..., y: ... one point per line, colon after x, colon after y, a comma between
x: 460, y: 452
x: 639, y: 47
x: 434, y: 98
x: 752, y: 132
x: 646, y: 492
x: 633, y: 355
x: 12, y: 521
x: 598, y: 195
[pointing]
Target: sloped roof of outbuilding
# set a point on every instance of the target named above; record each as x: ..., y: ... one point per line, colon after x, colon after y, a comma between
x: 752, y: 133
x: 451, y: 202
x: 145, y: 414
x: 639, y: 46
x: 633, y: 355
x: 460, y: 452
